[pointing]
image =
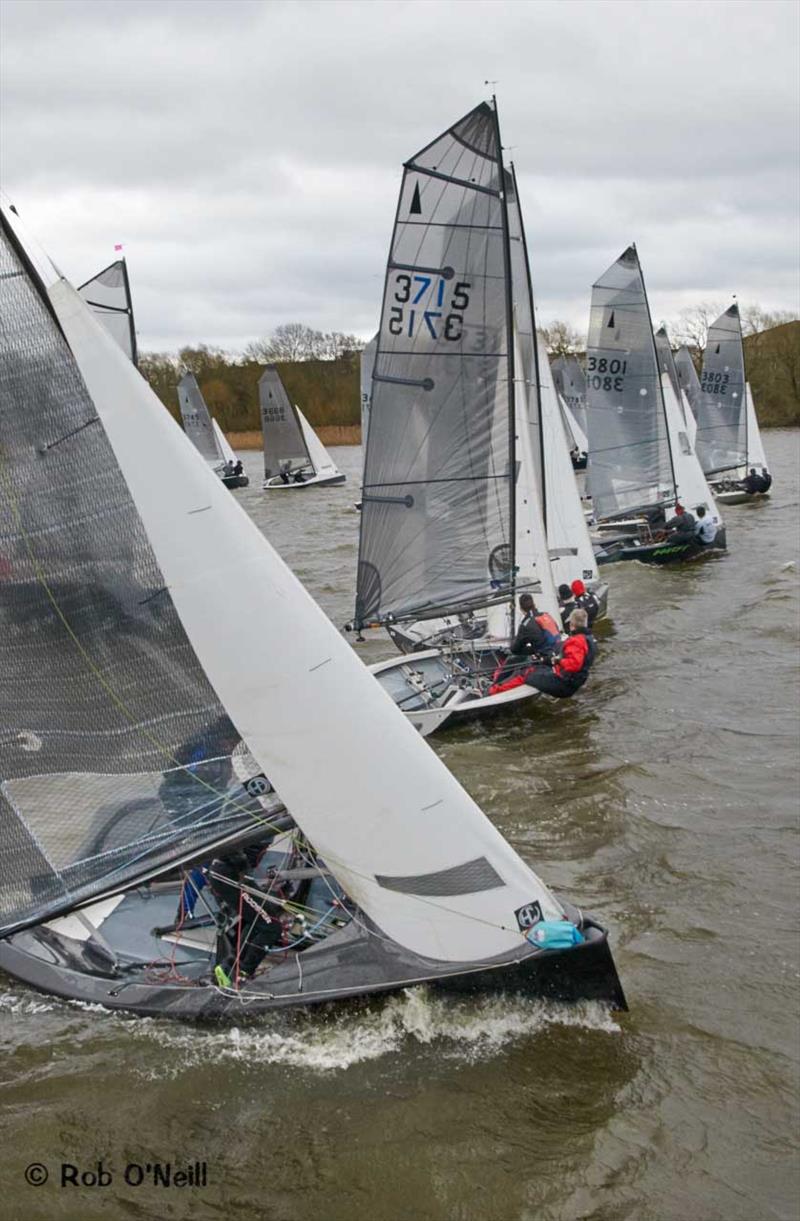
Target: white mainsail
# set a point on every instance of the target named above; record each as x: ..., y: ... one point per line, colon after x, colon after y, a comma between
x: 755, y: 446
x: 691, y: 486
x: 571, y: 551
x: 397, y: 830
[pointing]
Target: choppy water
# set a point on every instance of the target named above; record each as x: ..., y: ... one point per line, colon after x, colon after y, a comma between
x: 665, y: 799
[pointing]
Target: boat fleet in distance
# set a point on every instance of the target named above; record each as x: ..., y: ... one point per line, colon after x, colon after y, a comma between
x: 204, y: 819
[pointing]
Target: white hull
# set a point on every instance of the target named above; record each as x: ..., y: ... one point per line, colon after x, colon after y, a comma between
x: 276, y: 484
x: 411, y: 681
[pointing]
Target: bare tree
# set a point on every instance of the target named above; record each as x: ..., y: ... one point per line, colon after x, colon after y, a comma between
x: 561, y: 339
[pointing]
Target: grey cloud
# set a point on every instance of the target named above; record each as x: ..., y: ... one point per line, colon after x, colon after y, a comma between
x: 248, y: 154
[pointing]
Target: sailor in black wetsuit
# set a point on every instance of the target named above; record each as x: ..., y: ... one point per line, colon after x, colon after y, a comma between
x: 566, y: 603
x: 252, y: 924
x: 681, y: 527
x: 537, y: 636
x: 751, y: 482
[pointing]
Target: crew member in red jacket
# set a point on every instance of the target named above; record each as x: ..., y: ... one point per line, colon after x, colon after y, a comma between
x: 571, y: 665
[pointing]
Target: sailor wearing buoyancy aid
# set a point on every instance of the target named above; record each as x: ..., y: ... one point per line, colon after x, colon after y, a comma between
x: 571, y: 666
x: 538, y: 635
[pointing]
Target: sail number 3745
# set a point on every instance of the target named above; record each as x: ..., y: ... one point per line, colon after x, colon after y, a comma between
x: 413, y: 314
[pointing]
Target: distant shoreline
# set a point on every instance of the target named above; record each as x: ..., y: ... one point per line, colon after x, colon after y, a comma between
x: 329, y: 434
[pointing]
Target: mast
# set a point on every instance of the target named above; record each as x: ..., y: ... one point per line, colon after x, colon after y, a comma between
x: 658, y: 369
x: 536, y: 368
x: 512, y: 414
x: 129, y: 298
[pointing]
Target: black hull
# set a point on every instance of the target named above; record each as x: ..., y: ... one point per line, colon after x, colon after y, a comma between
x: 236, y: 481
x: 350, y: 964
x: 668, y: 552
x: 579, y: 464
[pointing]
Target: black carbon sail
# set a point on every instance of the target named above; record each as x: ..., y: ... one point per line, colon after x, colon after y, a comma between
x: 114, y: 749
x: 109, y: 295
x: 721, y: 408
x: 437, y: 522
x: 630, y: 466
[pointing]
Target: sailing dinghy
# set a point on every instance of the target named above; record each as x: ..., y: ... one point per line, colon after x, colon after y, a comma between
x: 451, y: 527
x: 128, y: 674
x: 206, y: 435
x: 729, y: 443
x: 641, y: 461
x: 108, y: 294
x: 294, y: 456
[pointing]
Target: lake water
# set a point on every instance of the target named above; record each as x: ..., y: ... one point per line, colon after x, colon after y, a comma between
x: 664, y: 798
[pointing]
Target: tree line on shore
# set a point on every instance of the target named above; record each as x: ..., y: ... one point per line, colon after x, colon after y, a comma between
x: 321, y: 371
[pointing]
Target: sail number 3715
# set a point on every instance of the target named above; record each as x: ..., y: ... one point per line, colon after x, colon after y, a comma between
x: 421, y: 308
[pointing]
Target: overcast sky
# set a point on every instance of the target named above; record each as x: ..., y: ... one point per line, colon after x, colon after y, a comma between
x: 248, y: 153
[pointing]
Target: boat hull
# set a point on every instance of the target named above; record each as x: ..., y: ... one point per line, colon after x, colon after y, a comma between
x: 236, y: 481
x: 667, y: 552
x: 739, y: 497
x: 316, y: 481
x: 354, y: 963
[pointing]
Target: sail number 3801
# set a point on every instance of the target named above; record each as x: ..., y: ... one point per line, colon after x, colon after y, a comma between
x: 413, y: 314
x: 605, y: 374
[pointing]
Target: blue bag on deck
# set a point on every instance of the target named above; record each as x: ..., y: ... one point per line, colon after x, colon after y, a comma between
x: 554, y: 935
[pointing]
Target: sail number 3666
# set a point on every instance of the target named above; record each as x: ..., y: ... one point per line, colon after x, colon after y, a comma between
x: 605, y: 374
x: 442, y: 321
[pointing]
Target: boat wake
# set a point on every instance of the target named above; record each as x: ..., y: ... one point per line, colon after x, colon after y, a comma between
x: 462, y: 1030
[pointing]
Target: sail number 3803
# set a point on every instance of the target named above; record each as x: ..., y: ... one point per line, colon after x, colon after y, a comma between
x: 421, y: 308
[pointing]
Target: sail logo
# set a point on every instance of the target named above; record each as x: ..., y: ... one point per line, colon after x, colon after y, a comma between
x: 438, y: 318
x: 528, y: 915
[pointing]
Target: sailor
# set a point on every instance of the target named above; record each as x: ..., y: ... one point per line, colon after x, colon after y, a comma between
x: 766, y: 480
x: 252, y: 923
x: 705, y: 530
x: 566, y: 603
x: 571, y: 665
x: 537, y: 636
x: 299, y: 477
x: 585, y: 599
x: 752, y: 482
x: 228, y: 469
x: 681, y: 525
x: 238, y: 468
